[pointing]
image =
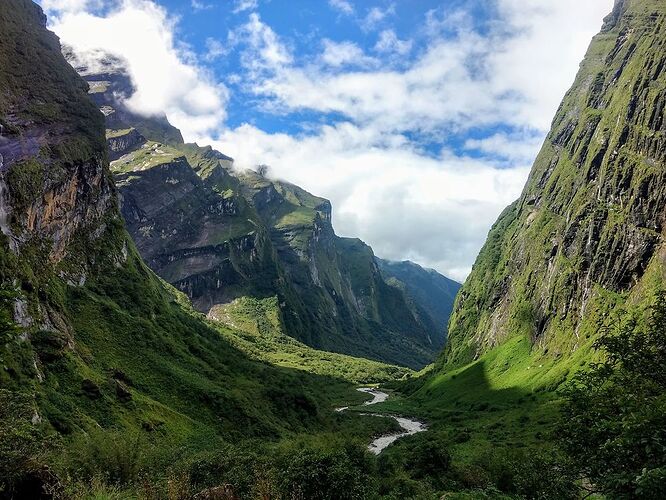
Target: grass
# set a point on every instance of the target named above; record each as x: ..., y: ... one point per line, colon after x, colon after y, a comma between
x: 112, y: 134
x: 151, y: 154
x: 255, y: 326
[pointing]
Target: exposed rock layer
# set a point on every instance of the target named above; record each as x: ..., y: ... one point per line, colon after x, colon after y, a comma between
x: 591, y: 218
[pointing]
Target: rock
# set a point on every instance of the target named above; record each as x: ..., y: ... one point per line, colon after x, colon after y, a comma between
x: 122, y: 391
x: 90, y: 389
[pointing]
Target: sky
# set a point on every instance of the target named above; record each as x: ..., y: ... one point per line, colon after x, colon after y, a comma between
x: 418, y: 119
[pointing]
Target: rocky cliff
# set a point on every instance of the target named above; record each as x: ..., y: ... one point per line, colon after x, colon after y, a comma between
x: 587, y: 233
x: 90, y: 337
x: 218, y: 234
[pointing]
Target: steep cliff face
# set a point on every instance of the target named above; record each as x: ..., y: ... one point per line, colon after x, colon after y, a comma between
x: 588, y: 229
x: 342, y: 300
x: 89, y: 336
x: 429, y: 294
x: 218, y: 234
x: 57, y: 196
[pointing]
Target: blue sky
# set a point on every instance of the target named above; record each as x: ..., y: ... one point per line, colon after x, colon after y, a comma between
x: 418, y: 119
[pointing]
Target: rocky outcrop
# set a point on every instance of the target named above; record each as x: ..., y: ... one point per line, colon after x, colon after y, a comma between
x: 120, y: 143
x: 590, y: 220
x: 56, y: 193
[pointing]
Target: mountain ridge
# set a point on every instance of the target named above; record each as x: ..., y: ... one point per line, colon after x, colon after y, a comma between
x: 586, y: 235
x: 218, y: 234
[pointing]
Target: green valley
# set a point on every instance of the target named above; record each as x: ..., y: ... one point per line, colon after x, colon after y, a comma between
x: 173, y: 326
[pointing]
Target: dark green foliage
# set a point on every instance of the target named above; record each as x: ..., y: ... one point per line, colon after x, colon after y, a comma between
x: 322, y: 471
x: 614, y: 416
x: 22, y: 444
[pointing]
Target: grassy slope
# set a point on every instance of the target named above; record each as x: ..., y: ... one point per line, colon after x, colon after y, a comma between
x: 121, y: 352
x: 255, y: 326
x: 495, y: 386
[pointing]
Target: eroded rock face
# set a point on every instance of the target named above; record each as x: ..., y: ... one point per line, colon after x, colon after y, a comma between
x: 120, y: 144
x: 217, y: 234
x: 56, y: 194
x: 591, y: 216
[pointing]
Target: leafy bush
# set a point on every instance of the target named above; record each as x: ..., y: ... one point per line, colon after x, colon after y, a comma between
x: 614, y: 417
x: 22, y: 446
x: 321, y: 471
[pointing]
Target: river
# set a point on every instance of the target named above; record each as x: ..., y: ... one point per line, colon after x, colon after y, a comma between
x: 409, y: 426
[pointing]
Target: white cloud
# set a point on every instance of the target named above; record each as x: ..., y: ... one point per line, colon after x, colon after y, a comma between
x: 388, y: 42
x: 435, y: 211
x: 345, y: 53
x: 403, y: 202
x: 243, y: 5
x: 264, y: 51
x: 214, y: 49
x: 385, y: 189
x: 343, y: 6
x: 515, y: 75
x: 167, y: 80
x: 521, y: 147
x: 375, y: 16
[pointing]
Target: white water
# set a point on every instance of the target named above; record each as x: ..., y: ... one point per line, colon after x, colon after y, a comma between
x: 408, y: 425
x: 377, y: 396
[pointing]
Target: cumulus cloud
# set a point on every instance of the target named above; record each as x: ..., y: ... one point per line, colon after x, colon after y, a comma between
x: 522, y: 146
x: 389, y: 42
x: 345, y: 53
x: 434, y: 210
x: 515, y: 75
x: 406, y: 203
x: 374, y: 160
x: 166, y: 77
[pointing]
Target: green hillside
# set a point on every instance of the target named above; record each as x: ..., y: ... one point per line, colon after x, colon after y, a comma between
x: 567, y: 270
x: 105, y: 373
x: 218, y: 235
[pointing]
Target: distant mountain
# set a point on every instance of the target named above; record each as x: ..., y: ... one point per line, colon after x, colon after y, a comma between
x: 427, y: 291
x: 218, y: 234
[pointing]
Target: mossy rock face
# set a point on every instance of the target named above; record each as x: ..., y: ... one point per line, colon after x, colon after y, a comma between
x: 101, y: 342
x: 218, y: 235
x: 587, y: 231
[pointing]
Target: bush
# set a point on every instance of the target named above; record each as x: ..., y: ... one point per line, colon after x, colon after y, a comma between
x: 614, y: 418
x: 321, y: 471
x: 114, y: 456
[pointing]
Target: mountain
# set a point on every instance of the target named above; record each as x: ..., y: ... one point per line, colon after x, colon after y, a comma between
x: 426, y: 290
x: 94, y: 347
x: 586, y: 235
x: 219, y: 235
x: 578, y: 258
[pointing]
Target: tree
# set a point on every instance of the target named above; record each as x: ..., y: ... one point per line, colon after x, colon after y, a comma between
x: 614, y: 415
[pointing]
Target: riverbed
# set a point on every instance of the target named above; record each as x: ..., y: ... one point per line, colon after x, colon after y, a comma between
x: 409, y: 426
